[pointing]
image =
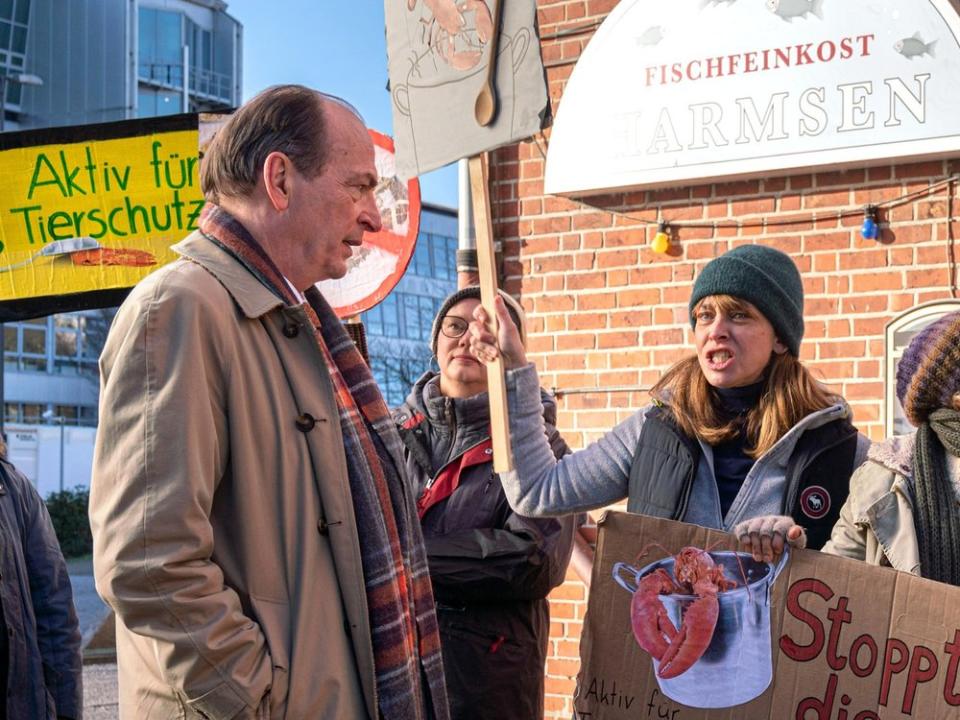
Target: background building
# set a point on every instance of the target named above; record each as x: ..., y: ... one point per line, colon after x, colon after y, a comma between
x: 133, y: 60
x: 607, y: 315
x: 98, y: 61
x: 398, y: 329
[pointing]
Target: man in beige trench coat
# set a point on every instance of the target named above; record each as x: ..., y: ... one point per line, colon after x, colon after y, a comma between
x: 250, y: 526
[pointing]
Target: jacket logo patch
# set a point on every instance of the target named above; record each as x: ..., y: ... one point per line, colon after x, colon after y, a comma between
x: 815, y: 502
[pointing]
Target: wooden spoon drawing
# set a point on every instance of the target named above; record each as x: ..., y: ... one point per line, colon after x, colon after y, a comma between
x: 485, y: 109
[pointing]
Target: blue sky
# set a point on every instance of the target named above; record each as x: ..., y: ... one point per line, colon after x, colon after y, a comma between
x: 337, y: 46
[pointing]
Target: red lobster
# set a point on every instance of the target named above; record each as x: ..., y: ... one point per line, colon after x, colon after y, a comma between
x: 677, y: 650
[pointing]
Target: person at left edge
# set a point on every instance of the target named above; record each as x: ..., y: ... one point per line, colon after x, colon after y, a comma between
x: 491, y: 569
x: 40, y: 672
x: 251, y: 525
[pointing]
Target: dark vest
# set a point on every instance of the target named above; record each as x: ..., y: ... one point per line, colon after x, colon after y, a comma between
x: 818, y: 473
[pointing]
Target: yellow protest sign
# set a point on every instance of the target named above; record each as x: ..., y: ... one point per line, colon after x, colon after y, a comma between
x: 96, y: 214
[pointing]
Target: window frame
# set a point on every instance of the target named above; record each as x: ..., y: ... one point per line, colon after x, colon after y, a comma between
x: 931, y: 311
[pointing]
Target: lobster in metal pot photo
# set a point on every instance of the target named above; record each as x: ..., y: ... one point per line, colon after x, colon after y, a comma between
x: 702, y: 615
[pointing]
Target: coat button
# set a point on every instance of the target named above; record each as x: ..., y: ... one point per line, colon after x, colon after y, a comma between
x: 305, y: 422
x: 291, y: 329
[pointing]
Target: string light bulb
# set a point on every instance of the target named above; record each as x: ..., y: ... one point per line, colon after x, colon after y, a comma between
x: 870, y: 230
x: 661, y: 241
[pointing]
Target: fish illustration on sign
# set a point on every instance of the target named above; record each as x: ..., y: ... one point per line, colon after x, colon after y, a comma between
x: 790, y: 9
x: 651, y: 36
x: 914, y: 46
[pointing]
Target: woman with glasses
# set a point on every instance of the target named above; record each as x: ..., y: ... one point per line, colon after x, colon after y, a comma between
x: 491, y: 569
x: 738, y: 430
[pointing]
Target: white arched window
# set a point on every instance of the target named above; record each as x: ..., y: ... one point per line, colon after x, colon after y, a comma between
x: 900, y: 332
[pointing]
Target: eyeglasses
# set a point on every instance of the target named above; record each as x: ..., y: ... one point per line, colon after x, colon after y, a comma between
x: 453, y: 327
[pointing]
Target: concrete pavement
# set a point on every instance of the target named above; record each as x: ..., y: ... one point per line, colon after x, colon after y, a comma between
x: 100, y: 677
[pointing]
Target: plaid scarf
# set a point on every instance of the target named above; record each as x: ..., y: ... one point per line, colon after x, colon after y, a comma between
x: 403, y: 622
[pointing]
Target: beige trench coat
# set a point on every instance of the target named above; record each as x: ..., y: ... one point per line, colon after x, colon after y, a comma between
x: 224, y: 535
x: 876, y: 521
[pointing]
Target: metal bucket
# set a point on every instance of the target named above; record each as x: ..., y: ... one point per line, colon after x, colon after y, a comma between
x: 737, y: 665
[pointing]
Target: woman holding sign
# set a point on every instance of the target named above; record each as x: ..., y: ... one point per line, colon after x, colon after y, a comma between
x: 904, y: 503
x: 739, y: 430
x: 491, y: 569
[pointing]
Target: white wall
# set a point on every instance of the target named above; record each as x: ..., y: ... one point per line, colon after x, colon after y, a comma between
x: 35, y: 450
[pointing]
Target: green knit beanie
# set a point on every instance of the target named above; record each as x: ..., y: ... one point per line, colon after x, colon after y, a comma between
x: 763, y: 276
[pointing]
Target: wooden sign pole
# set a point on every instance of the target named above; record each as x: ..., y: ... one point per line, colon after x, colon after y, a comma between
x: 486, y: 265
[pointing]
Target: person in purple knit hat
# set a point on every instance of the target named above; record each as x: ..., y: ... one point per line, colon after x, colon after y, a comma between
x: 903, y: 509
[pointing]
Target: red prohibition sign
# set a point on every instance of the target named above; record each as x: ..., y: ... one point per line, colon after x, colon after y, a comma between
x: 377, y: 266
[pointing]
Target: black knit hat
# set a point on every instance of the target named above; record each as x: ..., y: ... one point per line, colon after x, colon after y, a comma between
x: 763, y: 276
x: 473, y: 291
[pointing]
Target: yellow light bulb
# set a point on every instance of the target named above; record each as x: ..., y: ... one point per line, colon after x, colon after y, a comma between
x: 661, y: 241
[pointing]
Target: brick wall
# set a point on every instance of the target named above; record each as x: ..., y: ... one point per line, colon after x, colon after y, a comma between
x: 605, y: 311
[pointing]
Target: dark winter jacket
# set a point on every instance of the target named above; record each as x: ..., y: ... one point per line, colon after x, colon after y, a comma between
x: 44, y: 677
x: 605, y: 472
x: 818, y: 471
x: 491, y: 569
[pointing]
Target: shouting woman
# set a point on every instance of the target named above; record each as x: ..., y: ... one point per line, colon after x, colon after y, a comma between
x: 738, y: 430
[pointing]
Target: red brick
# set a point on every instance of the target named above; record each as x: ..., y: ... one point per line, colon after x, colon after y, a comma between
x: 564, y: 361
x: 931, y: 277
x: 539, y: 245
x: 863, y: 259
x: 587, y: 321
x: 840, y: 177
x: 850, y: 349
x: 878, y: 281
x: 554, y: 303
x: 552, y: 263
x: 616, y: 258
x: 839, y: 198
x: 586, y: 280
x: 596, y: 301
x: 760, y: 206
x: 591, y: 220
x: 617, y: 339
x: 555, y: 224
x: 930, y: 169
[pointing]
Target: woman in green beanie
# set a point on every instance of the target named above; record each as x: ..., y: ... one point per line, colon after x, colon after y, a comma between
x: 739, y: 430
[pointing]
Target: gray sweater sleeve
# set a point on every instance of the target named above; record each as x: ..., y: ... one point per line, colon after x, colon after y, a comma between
x: 540, y: 485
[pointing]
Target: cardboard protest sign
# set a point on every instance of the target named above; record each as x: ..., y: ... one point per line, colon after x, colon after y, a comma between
x: 86, y: 212
x: 438, y: 52
x: 815, y: 638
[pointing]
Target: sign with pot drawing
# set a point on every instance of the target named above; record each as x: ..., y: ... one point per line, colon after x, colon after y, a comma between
x: 681, y: 626
x: 693, y: 91
x: 438, y: 53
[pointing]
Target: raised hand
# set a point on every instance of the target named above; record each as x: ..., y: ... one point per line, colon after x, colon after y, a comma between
x: 506, y: 344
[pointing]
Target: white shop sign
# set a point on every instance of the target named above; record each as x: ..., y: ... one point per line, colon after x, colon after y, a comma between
x: 692, y: 91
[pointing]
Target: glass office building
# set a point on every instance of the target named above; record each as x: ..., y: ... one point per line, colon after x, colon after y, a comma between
x: 99, y: 61
x: 398, y: 329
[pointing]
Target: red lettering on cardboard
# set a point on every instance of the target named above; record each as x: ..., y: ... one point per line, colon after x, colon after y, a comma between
x: 950, y: 682
x: 792, y: 649
x: 919, y: 674
x: 838, y: 616
x: 855, y: 667
x: 890, y: 668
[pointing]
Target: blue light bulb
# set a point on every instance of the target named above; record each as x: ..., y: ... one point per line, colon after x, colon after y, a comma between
x: 870, y: 230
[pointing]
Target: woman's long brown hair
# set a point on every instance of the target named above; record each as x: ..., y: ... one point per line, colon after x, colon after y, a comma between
x: 790, y: 393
